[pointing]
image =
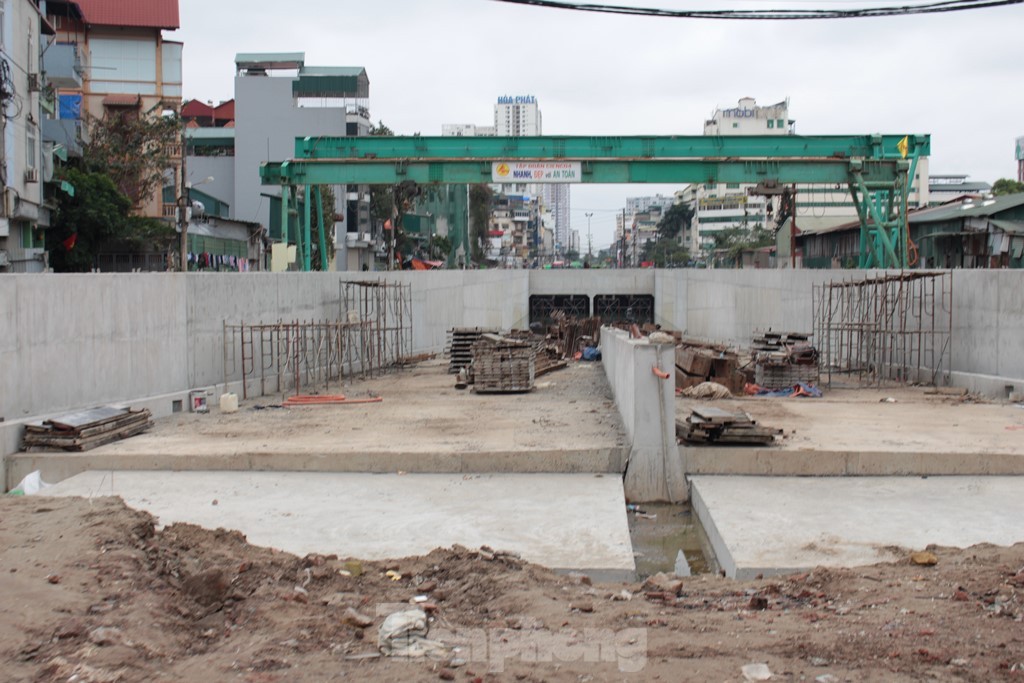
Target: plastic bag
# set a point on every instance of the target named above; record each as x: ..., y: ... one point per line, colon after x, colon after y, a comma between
x: 30, y: 485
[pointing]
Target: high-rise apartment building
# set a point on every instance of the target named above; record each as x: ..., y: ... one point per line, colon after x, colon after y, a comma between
x: 517, y: 116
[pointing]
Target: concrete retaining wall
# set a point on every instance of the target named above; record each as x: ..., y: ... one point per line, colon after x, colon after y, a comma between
x: 75, y: 341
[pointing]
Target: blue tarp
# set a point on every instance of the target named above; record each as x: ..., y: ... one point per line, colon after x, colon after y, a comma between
x: 70, y: 107
x: 800, y: 389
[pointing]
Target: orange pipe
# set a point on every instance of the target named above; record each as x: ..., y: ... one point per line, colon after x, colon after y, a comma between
x: 659, y: 373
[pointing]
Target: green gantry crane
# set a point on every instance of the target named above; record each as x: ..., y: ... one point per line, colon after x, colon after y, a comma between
x: 876, y: 168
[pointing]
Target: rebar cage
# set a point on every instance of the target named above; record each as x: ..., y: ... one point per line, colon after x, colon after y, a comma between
x: 895, y: 327
x: 372, y: 334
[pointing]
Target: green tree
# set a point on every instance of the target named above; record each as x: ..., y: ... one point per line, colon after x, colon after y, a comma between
x: 729, y: 244
x: 439, y: 248
x: 134, y: 148
x: 1005, y: 186
x: 480, y: 197
x: 94, y: 219
x: 674, y: 221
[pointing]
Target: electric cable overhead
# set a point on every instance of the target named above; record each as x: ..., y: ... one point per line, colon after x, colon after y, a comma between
x: 775, y: 14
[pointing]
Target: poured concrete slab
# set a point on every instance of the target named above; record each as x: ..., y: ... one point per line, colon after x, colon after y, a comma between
x: 776, y: 525
x: 562, y: 521
x: 567, y: 424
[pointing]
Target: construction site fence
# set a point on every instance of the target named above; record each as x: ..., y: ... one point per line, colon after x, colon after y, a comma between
x: 889, y: 327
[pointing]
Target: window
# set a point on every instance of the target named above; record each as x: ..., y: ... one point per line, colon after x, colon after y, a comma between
x: 735, y: 125
x: 771, y: 124
x: 30, y: 147
x: 781, y: 123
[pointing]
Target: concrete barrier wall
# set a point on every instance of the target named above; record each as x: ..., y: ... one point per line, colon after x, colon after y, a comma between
x: 646, y: 403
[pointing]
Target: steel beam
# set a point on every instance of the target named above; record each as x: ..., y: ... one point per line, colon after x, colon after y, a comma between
x: 610, y: 147
x: 452, y: 172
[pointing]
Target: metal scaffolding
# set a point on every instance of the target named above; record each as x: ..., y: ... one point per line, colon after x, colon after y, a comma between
x: 373, y: 334
x: 896, y: 327
x: 383, y: 310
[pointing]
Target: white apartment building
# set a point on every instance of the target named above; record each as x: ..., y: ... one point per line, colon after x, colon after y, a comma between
x: 517, y: 116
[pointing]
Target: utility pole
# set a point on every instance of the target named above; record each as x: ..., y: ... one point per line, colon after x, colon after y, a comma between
x: 590, y: 240
x: 183, y: 204
x: 622, y: 252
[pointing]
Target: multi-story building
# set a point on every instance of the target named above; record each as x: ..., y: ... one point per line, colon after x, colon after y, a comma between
x: 128, y: 67
x: 947, y: 188
x: 24, y: 164
x: 517, y: 116
x: 556, y: 199
x: 468, y: 130
x: 277, y: 99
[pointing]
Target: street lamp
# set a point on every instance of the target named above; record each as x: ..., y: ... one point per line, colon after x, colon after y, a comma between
x: 590, y: 242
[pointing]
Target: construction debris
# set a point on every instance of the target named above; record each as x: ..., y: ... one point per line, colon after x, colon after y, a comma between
x: 709, y: 425
x: 571, y: 335
x: 460, y: 346
x: 502, y: 365
x: 86, y: 429
x: 784, y: 359
x: 698, y: 362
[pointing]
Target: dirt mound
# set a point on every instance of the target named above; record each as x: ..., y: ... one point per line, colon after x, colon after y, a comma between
x: 91, y: 592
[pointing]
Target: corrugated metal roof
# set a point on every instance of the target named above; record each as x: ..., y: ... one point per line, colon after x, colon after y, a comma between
x: 1012, y: 227
x: 982, y: 208
x: 960, y: 187
x: 144, y: 13
x: 270, y: 60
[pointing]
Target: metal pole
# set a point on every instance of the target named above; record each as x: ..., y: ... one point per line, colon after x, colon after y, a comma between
x: 183, y: 203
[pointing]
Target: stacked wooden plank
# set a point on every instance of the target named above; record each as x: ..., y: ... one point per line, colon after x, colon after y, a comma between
x: 460, y: 346
x: 502, y: 365
x: 87, y: 429
x: 782, y: 359
x: 710, y: 425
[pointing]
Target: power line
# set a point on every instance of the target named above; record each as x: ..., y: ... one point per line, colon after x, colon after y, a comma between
x: 776, y: 14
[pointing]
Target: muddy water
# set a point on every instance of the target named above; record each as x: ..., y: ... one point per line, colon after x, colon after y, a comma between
x: 660, y: 531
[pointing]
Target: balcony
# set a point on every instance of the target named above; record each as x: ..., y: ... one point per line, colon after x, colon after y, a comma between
x: 66, y: 132
x: 63, y: 66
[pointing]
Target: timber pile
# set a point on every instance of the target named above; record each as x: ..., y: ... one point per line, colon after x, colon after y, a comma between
x: 460, y: 346
x: 548, y: 351
x: 709, y: 425
x: 87, y: 429
x: 572, y: 334
x: 502, y: 365
x: 782, y: 359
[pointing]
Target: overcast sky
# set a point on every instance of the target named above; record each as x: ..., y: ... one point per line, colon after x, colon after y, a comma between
x: 957, y: 76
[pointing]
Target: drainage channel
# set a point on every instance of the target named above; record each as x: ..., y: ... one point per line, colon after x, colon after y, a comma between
x: 659, y: 531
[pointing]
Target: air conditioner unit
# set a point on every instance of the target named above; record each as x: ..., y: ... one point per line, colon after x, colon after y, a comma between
x: 31, y: 175
x: 34, y: 83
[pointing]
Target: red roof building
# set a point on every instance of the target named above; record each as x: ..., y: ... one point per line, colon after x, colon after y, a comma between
x: 139, y: 13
